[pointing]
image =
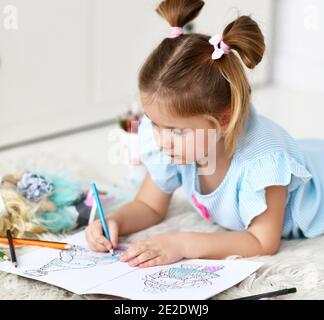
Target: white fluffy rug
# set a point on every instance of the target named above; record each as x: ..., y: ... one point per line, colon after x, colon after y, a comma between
x: 299, y: 263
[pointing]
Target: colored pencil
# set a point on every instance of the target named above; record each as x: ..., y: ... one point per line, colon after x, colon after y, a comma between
x: 37, y: 243
x: 12, y: 249
x: 101, y: 214
x: 269, y: 294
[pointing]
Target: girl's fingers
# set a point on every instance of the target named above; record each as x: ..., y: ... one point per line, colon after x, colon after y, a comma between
x: 101, y: 239
x: 92, y: 244
x: 113, y: 231
x: 88, y: 235
x: 96, y: 228
x: 143, y: 257
x: 93, y: 231
x: 151, y: 263
x: 95, y: 245
x: 131, y: 252
x: 95, y: 238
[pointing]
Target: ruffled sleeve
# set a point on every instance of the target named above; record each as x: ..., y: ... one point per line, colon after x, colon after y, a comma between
x: 163, y: 172
x: 277, y: 168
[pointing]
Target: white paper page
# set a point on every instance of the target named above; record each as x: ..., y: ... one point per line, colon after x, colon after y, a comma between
x: 82, y: 271
x: 184, y: 280
x: 76, y: 269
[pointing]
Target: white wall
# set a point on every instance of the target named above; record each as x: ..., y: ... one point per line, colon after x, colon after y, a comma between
x: 73, y: 63
x: 70, y: 63
x: 295, y: 99
x: 299, y: 46
x: 217, y: 14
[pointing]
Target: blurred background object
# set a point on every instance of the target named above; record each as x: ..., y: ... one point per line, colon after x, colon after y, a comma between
x: 71, y: 66
x: 295, y: 94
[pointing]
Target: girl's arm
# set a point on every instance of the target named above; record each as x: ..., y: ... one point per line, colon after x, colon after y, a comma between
x: 148, y: 208
x: 261, y: 238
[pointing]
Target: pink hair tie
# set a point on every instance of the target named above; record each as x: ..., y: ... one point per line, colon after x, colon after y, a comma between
x: 220, y: 47
x: 175, y: 32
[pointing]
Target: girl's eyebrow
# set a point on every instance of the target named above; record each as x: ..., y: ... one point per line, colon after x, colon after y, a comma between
x: 157, y: 124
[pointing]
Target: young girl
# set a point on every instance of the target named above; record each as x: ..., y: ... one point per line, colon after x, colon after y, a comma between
x: 265, y: 185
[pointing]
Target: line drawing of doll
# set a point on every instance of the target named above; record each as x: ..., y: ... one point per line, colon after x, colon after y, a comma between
x: 77, y: 258
x: 180, y: 277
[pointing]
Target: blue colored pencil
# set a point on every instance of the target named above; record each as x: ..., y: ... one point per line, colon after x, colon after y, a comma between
x: 101, y: 214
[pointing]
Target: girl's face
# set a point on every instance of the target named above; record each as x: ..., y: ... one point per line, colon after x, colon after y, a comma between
x: 185, y: 140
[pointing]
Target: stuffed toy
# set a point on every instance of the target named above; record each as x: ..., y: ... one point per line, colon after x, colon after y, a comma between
x: 33, y: 203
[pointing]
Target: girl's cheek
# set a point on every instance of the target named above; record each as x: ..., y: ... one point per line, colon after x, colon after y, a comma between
x: 163, y: 138
x: 156, y: 136
x: 200, y: 145
x: 190, y: 149
x: 184, y: 146
x: 179, y: 147
x: 211, y: 138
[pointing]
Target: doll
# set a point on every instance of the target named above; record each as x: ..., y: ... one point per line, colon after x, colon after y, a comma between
x: 33, y: 203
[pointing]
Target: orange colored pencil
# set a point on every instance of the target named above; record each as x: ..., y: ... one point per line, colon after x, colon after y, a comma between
x: 37, y: 243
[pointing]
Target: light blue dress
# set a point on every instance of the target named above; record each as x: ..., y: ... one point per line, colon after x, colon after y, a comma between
x: 265, y: 155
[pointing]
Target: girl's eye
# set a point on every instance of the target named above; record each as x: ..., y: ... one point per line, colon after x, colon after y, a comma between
x: 181, y: 132
x: 174, y: 131
x: 177, y: 132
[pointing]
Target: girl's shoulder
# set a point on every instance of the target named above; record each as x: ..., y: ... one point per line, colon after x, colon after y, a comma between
x: 268, y: 155
x: 262, y: 137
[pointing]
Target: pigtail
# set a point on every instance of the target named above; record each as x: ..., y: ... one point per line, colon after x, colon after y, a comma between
x: 179, y: 12
x: 244, y: 36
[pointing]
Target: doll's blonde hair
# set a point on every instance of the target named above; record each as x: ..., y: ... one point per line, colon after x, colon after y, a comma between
x: 19, y: 215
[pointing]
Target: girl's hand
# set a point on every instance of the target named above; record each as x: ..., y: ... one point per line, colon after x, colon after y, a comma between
x: 156, y: 250
x: 97, y: 241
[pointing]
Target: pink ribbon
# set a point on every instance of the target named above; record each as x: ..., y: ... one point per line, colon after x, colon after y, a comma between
x: 89, y: 199
x: 201, y: 208
x: 175, y: 32
x: 220, y: 47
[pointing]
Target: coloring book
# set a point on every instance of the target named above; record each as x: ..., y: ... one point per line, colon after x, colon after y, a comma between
x: 83, y: 271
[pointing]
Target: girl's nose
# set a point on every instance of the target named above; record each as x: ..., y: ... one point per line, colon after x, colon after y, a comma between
x: 165, y: 141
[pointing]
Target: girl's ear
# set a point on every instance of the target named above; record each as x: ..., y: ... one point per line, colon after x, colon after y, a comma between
x: 216, y: 123
x: 225, y: 118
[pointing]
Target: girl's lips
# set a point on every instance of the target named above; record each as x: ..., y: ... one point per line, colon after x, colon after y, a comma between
x: 170, y: 154
x: 173, y: 156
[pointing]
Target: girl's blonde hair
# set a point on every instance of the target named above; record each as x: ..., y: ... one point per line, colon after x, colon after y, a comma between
x: 180, y: 74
